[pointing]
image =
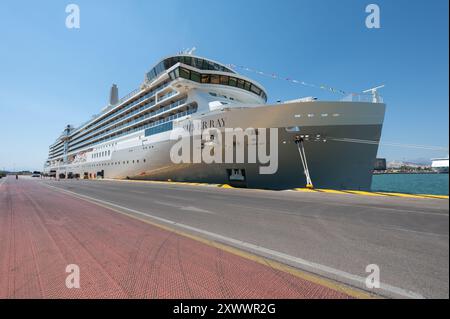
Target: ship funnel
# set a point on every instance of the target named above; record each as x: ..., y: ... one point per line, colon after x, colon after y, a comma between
x: 114, y: 95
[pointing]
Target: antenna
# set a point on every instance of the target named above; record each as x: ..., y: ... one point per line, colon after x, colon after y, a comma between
x: 191, y: 51
x: 374, y: 91
x: 187, y: 51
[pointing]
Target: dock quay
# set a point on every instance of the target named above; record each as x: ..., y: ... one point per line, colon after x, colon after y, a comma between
x: 174, y: 240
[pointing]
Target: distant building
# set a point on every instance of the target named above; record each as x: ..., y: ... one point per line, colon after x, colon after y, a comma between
x: 380, y: 164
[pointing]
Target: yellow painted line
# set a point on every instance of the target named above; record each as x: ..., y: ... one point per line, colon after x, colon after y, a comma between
x: 352, y: 292
x: 374, y: 194
x: 400, y: 195
x: 364, y: 193
x: 330, y: 191
x: 305, y: 190
x: 435, y: 196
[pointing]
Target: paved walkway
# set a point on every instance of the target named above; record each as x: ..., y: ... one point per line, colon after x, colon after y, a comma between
x: 42, y: 231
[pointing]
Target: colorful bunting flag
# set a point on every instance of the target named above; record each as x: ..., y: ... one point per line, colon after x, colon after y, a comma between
x: 275, y: 76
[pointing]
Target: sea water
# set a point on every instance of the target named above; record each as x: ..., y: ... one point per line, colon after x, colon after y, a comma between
x: 435, y: 184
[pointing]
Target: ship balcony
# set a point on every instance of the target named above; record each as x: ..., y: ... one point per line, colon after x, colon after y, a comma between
x: 149, y: 96
x: 152, y: 115
x: 367, y: 98
x: 132, y: 114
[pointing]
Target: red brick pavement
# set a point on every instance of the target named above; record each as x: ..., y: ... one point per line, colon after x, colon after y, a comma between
x: 42, y: 231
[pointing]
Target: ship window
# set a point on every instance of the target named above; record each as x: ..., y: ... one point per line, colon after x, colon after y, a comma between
x: 197, y: 63
x: 247, y: 86
x: 195, y: 77
x: 240, y: 83
x: 159, y: 129
x: 188, y: 60
x: 184, y: 73
x: 203, y: 65
x: 206, y: 78
x: 232, y: 81
x: 177, y: 72
x: 255, y: 89
x: 224, y: 80
x: 159, y: 68
x: 215, y: 79
x: 210, y: 65
x: 172, y: 75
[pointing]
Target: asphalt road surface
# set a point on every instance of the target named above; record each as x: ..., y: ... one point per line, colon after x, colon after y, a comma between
x: 332, y: 235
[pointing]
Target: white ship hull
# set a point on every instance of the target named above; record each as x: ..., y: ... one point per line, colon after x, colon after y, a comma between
x: 344, y: 161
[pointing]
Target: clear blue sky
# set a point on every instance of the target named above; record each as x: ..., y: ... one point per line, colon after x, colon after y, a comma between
x: 51, y: 76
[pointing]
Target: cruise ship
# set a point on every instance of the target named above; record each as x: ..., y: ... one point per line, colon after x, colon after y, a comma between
x: 330, y: 144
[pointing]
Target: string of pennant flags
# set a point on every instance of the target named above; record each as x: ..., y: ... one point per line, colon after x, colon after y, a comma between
x: 337, y: 91
x: 288, y: 79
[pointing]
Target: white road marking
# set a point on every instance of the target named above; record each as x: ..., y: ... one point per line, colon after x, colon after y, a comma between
x: 139, y: 192
x: 198, y: 210
x: 179, y: 198
x: 187, y: 208
x: 301, y: 263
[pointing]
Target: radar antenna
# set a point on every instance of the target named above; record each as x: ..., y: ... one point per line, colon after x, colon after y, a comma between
x: 191, y: 51
x: 374, y: 91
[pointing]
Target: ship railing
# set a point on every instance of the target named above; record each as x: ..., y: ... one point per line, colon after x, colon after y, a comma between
x: 144, y: 127
x: 362, y: 97
x: 149, y: 95
x: 124, y: 98
x: 153, y: 113
x: 120, y: 119
x: 143, y: 117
